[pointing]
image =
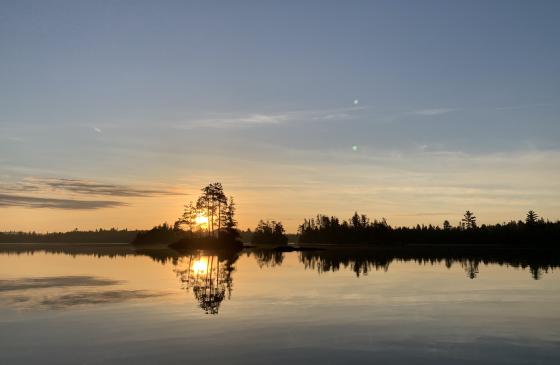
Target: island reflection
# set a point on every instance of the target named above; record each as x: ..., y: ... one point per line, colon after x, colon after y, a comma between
x: 208, y: 276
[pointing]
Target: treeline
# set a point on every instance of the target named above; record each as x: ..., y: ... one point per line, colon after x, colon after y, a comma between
x: 360, y: 229
x: 269, y: 233
x: 112, y: 235
x: 162, y: 234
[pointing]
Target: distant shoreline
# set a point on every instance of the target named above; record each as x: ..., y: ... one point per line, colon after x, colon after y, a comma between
x: 4, y: 246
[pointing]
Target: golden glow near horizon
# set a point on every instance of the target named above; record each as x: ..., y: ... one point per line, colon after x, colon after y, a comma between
x: 201, y: 220
x: 200, y: 266
x: 387, y: 188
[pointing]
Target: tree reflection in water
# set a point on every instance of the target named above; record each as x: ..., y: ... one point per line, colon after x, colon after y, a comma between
x: 363, y: 260
x: 208, y: 275
x: 267, y: 257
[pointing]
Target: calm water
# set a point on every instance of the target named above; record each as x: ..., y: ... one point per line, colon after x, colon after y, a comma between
x: 115, y: 305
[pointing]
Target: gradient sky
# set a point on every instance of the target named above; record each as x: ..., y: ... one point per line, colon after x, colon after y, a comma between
x: 114, y: 113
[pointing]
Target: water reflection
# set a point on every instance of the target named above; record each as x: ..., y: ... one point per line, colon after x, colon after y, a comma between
x: 208, y: 276
x: 266, y: 257
x: 362, y: 261
x: 63, y: 292
x: 72, y: 303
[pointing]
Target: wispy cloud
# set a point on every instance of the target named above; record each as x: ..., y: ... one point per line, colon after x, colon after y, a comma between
x: 432, y: 112
x: 34, y: 192
x: 85, y: 187
x: 8, y: 200
x: 253, y: 119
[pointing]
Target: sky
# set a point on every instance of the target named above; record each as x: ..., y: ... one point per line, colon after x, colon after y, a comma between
x: 116, y: 113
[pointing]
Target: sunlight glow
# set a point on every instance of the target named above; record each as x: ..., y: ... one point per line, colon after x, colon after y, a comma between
x: 200, y: 266
x: 201, y: 220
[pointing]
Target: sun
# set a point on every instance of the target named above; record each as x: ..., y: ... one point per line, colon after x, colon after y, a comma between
x: 200, y: 266
x: 201, y: 220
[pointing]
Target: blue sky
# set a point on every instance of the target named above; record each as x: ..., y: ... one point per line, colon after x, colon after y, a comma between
x: 451, y: 106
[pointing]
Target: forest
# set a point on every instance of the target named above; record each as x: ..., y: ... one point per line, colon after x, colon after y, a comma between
x: 112, y: 235
x: 359, y: 229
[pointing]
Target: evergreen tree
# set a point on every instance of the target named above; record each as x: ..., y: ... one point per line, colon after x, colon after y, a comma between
x: 469, y: 220
x: 531, y: 218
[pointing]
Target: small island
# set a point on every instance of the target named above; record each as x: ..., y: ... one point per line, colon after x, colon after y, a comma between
x: 208, y: 223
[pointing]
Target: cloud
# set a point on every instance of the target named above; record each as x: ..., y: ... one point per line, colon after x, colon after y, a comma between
x: 334, y: 116
x: 86, y: 187
x: 274, y: 118
x: 8, y: 200
x: 98, y: 130
x: 260, y: 119
x: 16, y: 195
x: 432, y: 112
x: 249, y: 119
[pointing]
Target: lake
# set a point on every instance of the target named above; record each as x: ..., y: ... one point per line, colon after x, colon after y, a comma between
x: 111, y: 303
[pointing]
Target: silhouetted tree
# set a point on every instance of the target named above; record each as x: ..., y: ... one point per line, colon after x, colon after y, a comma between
x: 469, y: 220
x: 531, y: 218
x: 324, y: 229
x: 269, y: 232
x: 190, y: 213
x: 212, y: 200
x: 212, y: 203
x: 228, y: 215
x: 162, y: 234
x: 112, y: 235
x: 221, y: 200
x: 228, y: 218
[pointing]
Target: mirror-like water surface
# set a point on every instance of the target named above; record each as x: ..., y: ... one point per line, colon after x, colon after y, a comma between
x: 112, y: 304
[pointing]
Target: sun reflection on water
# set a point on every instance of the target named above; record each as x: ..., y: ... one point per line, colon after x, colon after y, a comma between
x: 200, y: 266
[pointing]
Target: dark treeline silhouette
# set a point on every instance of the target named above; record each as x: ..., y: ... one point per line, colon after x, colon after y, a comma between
x: 269, y: 232
x: 247, y: 236
x: 75, y: 249
x: 360, y: 229
x: 162, y: 234
x: 112, y: 235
